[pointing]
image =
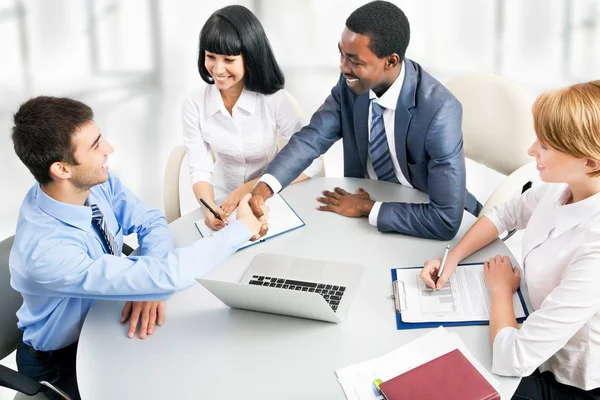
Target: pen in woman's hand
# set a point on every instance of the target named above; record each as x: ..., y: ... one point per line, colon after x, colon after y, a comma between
x: 209, y: 208
x: 441, y: 270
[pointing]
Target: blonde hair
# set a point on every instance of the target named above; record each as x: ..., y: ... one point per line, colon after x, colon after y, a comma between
x: 568, y: 120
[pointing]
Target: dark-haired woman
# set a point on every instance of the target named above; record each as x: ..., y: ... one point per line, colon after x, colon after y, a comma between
x: 238, y: 114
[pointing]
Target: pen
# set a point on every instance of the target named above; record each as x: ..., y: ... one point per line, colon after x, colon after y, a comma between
x: 441, y: 270
x: 217, y: 216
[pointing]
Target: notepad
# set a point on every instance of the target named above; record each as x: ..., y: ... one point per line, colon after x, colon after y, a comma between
x: 282, y: 219
x: 464, y: 299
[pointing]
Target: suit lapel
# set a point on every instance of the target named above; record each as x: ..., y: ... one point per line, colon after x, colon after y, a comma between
x: 361, y: 127
x: 406, y: 100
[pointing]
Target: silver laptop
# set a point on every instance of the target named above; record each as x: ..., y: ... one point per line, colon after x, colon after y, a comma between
x: 298, y: 287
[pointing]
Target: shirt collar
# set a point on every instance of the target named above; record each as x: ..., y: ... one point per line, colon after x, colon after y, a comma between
x: 390, y: 97
x: 571, y: 215
x: 246, y: 102
x: 77, y: 216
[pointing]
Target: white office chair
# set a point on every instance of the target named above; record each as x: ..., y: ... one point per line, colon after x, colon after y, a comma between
x: 10, y: 335
x: 171, y: 184
x: 497, y: 130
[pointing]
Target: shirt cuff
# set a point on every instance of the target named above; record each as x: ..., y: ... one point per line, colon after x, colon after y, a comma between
x: 272, y: 182
x: 238, y: 233
x: 495, y: 218
x: 374, y: 213
x: 502, y: 352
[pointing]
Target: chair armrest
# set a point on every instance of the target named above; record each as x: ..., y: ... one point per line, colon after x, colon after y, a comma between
x: 16, y: 381
x: 23, y: 384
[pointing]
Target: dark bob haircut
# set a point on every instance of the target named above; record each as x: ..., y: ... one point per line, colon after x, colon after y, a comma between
x: 232, y: 31
x: 386, y: 26
x: 43, y: 133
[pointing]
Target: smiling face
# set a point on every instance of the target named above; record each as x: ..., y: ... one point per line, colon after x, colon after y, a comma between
x: 557, y: 167
x: 362, y: 69
x: 91, y: 152
x: 226, y: 71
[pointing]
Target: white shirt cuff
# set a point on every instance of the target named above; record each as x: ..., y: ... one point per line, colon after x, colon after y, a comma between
x: 374, y: 213
x: 502, y: 352
x: 272, y: 182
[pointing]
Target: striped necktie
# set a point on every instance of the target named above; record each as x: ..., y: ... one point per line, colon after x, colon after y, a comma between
x: 109, y: 240
x: 378, y: 147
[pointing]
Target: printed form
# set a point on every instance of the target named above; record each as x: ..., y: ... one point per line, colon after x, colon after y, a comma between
x: 465, y: 297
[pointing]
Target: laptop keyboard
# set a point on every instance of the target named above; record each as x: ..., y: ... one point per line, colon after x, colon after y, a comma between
x: 331, y: 293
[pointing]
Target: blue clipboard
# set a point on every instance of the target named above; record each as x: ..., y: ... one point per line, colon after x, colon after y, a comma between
x: 418, y: 325
x: 270, y: 237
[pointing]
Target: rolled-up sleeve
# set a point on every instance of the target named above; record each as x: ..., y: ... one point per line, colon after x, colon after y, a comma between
x: 198, y: 151
x: 515, y: 213
x: 518, y: 352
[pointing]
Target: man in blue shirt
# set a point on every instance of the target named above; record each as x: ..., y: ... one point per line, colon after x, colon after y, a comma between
x: 67, y: 248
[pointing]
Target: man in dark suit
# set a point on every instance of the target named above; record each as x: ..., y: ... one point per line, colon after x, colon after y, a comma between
x: 398, y: 123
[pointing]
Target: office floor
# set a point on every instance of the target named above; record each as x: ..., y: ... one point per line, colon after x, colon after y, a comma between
x: 135, y: 64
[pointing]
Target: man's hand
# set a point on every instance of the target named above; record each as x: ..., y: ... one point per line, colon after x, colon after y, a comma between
x: 500, y: 275
x: 152, y: 312
x: 348, y: 204
x: 260, y: 194
x: 246, y: 215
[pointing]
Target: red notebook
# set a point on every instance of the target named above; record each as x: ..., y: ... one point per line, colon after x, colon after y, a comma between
x: 449, y: 377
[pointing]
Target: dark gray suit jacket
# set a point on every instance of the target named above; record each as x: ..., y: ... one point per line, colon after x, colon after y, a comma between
x: 429, y: 148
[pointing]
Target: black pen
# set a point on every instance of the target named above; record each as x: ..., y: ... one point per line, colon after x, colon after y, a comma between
x: 217, y: 216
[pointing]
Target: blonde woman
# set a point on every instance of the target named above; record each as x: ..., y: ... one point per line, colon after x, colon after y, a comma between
x: 557, y: 349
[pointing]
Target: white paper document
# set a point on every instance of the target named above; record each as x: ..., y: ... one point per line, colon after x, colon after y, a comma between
x: 282, y: 218
x: 357, y: 380
x: 464, y: 298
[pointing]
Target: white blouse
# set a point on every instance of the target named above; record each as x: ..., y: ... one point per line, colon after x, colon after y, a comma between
x: 561, y: 265
x: 244, y: 143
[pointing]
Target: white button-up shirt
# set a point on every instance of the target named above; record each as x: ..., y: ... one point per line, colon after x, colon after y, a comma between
x: 561, y: 265
x: 244, y: 142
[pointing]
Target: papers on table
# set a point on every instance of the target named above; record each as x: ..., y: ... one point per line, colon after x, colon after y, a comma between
x: 464, y: 298
x: 282, y: 218
x: 357, y: 380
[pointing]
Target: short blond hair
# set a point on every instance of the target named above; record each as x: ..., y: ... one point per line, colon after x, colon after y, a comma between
x: 568, y: 120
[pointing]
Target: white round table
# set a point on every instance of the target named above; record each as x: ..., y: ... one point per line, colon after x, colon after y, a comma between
x: 205, y: 350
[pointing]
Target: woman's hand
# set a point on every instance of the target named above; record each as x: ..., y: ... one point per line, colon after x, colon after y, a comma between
x: 212, y: 222
x: 500, y: 275
x: 429, y: 274
x: 233, y: 200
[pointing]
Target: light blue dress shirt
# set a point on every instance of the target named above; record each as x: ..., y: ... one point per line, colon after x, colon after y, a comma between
x: 59, y: 265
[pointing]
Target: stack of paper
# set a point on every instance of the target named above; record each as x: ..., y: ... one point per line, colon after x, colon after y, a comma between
x: 357, y: 380
x: 282, y: 218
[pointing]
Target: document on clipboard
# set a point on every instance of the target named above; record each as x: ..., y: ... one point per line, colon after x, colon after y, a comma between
x: 464, y: 300
x: 282, y: 219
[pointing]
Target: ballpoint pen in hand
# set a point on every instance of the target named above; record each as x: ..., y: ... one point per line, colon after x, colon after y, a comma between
x: 209, y: 208
x: 441, y: 270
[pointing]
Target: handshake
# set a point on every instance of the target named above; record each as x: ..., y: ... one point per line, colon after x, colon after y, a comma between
x: 255, y: 217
